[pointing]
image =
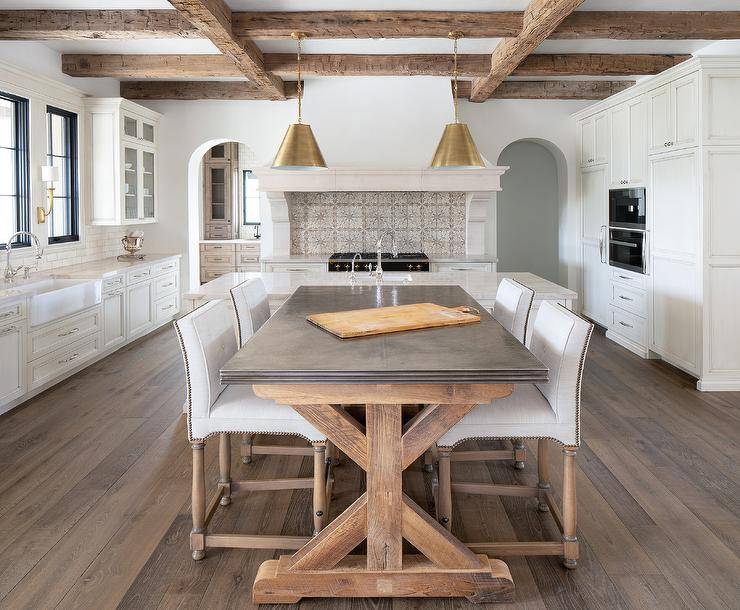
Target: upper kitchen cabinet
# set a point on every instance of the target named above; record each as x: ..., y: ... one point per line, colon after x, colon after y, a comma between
x: 123, y: 169
x: 720, y: 107
x: 595, y: 140
x: 628, y: 144
x: 673, y: 117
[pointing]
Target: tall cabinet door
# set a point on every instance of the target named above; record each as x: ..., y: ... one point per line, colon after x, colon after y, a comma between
x: 595, y: 277
x: 674, y: 261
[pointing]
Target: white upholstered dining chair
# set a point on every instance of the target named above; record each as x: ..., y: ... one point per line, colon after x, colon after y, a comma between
x: 511, y: 309
x: 207, y: 340
x: 541, y: 411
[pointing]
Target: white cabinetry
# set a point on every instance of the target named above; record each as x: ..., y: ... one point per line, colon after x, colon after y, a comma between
x: 595, y: 140
x: 684, y: 309
x: 140, y: 308
x: 296, y: 267
x: 114, y: 317
x: 13, y: 370
x: 673, y: 111
x: 463, y: 266
x: 628, y: 150
x: 594, y: 199
x: 123, y: 173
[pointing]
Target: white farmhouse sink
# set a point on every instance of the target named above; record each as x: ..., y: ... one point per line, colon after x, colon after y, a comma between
x: 55, y: 298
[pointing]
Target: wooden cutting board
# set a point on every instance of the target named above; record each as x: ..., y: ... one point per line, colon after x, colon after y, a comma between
x: 381, y: 320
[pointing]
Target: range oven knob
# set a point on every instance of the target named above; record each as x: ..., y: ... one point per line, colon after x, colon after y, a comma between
x: 418, y: 267
x: 411, y: 267
x: 367, y: 267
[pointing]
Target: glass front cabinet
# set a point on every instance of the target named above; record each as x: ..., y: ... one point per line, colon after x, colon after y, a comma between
x: 123, y: 139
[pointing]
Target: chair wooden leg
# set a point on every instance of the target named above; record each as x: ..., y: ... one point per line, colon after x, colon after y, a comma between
x: 519, y: 453
x: 570, y: 540
x: 197, y: 535
x: 319, y: 487
x: 224, y: 466
x: 428, y: 461
x: 543, y: 473
x: 444, y: 493
x: 246, y: 448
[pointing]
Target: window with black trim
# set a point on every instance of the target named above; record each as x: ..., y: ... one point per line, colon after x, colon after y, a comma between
x: 61, y: 151
x: 14, y: 166
x: 250, y: 199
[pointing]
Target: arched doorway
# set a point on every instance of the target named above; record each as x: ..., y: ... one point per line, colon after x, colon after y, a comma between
x: 196, y: 208
x: 529, y: 209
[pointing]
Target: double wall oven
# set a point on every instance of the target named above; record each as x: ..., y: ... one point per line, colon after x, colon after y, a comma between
x: 628, y: 237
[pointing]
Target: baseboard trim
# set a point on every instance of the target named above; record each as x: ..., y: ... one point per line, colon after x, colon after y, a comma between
x: 635, y: 348
x: 708, y: 384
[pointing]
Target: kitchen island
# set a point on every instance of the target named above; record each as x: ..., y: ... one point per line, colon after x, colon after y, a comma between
x: 481, y: 285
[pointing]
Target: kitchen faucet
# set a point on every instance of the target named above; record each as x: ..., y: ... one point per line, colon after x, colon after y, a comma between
x: 352, y: 278
x: 10, y: 273
x: 378, y: 273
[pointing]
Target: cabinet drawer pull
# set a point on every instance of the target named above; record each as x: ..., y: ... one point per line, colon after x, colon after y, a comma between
x: 170, y: 306
x: 69, y: 332
x: 65, y: 360
x: 7, y: 331
x: 289, y: 269
x: 168, y: 285
x: 625, y: 324
x: 8, y: 314
x: 624, y: 298
x: 624, y: 277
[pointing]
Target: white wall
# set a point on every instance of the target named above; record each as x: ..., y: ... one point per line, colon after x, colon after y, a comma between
x: 44, y: 61
x: 368, y: 122
x: 527, y: 211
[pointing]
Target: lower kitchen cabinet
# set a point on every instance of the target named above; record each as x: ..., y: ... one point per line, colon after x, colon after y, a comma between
x: 139, y: 306
x: 114, y: 318
x: 596, y: 278
x: 13, y: 370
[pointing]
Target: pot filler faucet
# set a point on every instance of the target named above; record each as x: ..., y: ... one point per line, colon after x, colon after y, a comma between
x: 10, y: 273
x: 378, y: 272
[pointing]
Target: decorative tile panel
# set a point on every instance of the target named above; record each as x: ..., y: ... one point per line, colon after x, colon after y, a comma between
x: 322, y: 223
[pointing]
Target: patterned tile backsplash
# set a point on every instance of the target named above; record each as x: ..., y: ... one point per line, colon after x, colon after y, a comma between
x: 433, y: 223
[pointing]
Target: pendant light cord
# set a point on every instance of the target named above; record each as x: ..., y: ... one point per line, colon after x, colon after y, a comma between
x: 454, y: 76
x: 299, y: 87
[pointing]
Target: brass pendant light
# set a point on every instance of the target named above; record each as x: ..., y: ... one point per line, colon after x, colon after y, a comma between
x: 299, y: 150
x: 456, y: 149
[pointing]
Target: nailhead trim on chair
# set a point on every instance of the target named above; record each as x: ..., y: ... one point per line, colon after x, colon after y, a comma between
x: 581, y: 366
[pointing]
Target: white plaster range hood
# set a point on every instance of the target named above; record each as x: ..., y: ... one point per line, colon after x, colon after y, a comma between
x: 480, y: 186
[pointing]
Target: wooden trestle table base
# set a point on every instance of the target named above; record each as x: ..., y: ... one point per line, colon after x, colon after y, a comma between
x: 383, y: 515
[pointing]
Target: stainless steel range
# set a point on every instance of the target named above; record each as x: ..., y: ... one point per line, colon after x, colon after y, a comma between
x: 366, y: 261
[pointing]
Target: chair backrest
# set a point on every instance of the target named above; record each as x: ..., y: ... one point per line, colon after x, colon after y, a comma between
x: 207, y: 341
x: 251, y: 306
x: 560, y: 341
x: 512, y: 307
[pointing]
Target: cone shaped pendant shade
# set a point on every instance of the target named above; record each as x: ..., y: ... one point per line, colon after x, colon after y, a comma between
x: 456, y: 148
x: 299, y: 149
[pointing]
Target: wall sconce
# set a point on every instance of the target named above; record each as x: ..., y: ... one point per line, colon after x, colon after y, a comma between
x: 49, y: 175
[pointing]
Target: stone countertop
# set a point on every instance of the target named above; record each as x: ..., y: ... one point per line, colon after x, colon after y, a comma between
x: 323, y: 258
x: 481, y: 285
x: 230, y: 241
x: 106, y: 267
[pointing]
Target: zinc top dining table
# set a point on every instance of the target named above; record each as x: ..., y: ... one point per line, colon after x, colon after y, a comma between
x: 449, y: 370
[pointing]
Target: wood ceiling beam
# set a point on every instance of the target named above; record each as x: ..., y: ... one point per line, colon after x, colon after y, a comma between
x: 284, y: 64
x: 635, y: 25
x: 213, y: 19
x: 541, y: 17
x: 199, y: 90
x: 552, y: 89
x: 74, y: 25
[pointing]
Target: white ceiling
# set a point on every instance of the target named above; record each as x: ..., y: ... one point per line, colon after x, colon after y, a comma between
x: 383, y: 46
